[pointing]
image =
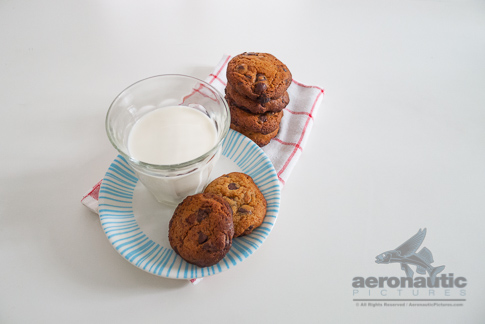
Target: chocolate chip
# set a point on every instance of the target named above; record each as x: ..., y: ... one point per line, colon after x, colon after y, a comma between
x: 260, y: 77
x: 232, y: 186
x: 202, y: 213
x: 209, y: 247
x: 191, y: 219
x: 248, y: 230
x: 260, y: 87
x: 206, y: 246
x: 243, y: 211
x: 202, y: 238
x: 242, y: 68
x: 263, y: 118
x: 285, y: 70
x: 263, y: 100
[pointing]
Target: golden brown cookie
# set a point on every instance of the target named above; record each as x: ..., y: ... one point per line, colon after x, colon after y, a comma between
x: 201, y: 229
x: 258, y: 76
x: 257, y: 138
x: 255, y: 106
x: 246, y: 200
x: 258, y: 123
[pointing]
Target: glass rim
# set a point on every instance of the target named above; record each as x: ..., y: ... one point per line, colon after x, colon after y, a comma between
x: 175, y: 166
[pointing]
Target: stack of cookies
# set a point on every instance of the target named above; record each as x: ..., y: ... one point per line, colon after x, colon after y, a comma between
x: 256, y: 92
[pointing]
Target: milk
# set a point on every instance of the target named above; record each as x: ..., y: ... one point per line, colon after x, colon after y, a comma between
x: 169, y: 129
x: 168, y: 136
x: 171, y: 135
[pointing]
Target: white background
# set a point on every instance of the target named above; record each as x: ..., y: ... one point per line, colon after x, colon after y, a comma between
x: 398, y: 144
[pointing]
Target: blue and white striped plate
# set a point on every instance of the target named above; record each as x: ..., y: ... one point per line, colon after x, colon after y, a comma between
x: 137, y: 226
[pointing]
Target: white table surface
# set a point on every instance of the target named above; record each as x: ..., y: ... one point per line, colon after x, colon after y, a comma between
x: 398, y: 144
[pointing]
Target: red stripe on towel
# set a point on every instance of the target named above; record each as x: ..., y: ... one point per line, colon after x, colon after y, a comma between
x: 214, y: 76
x: 302, y: 134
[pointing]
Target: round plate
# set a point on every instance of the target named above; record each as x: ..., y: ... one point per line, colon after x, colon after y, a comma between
x: 137, y: 225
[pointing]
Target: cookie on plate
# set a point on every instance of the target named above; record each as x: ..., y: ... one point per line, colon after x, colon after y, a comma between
x: 255, y: 106
x: 246, y: 200
x: 258, y: 76
x: 201, y: 229
x: 264, y: 123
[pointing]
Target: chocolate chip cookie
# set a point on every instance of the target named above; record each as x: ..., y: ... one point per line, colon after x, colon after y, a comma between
x: 264, y: 123
x: 201, y: 229
x: 258, y: 76
x: 246, y: 200
x: 255, y: 106
x: 257, y: 138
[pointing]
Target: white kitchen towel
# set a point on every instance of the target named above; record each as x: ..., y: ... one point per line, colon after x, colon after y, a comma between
x: 285, y: 149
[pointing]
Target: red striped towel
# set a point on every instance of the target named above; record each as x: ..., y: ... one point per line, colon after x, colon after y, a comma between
x: 285, y: 149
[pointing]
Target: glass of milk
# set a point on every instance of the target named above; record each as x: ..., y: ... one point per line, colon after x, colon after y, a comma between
x: 170, y: 129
